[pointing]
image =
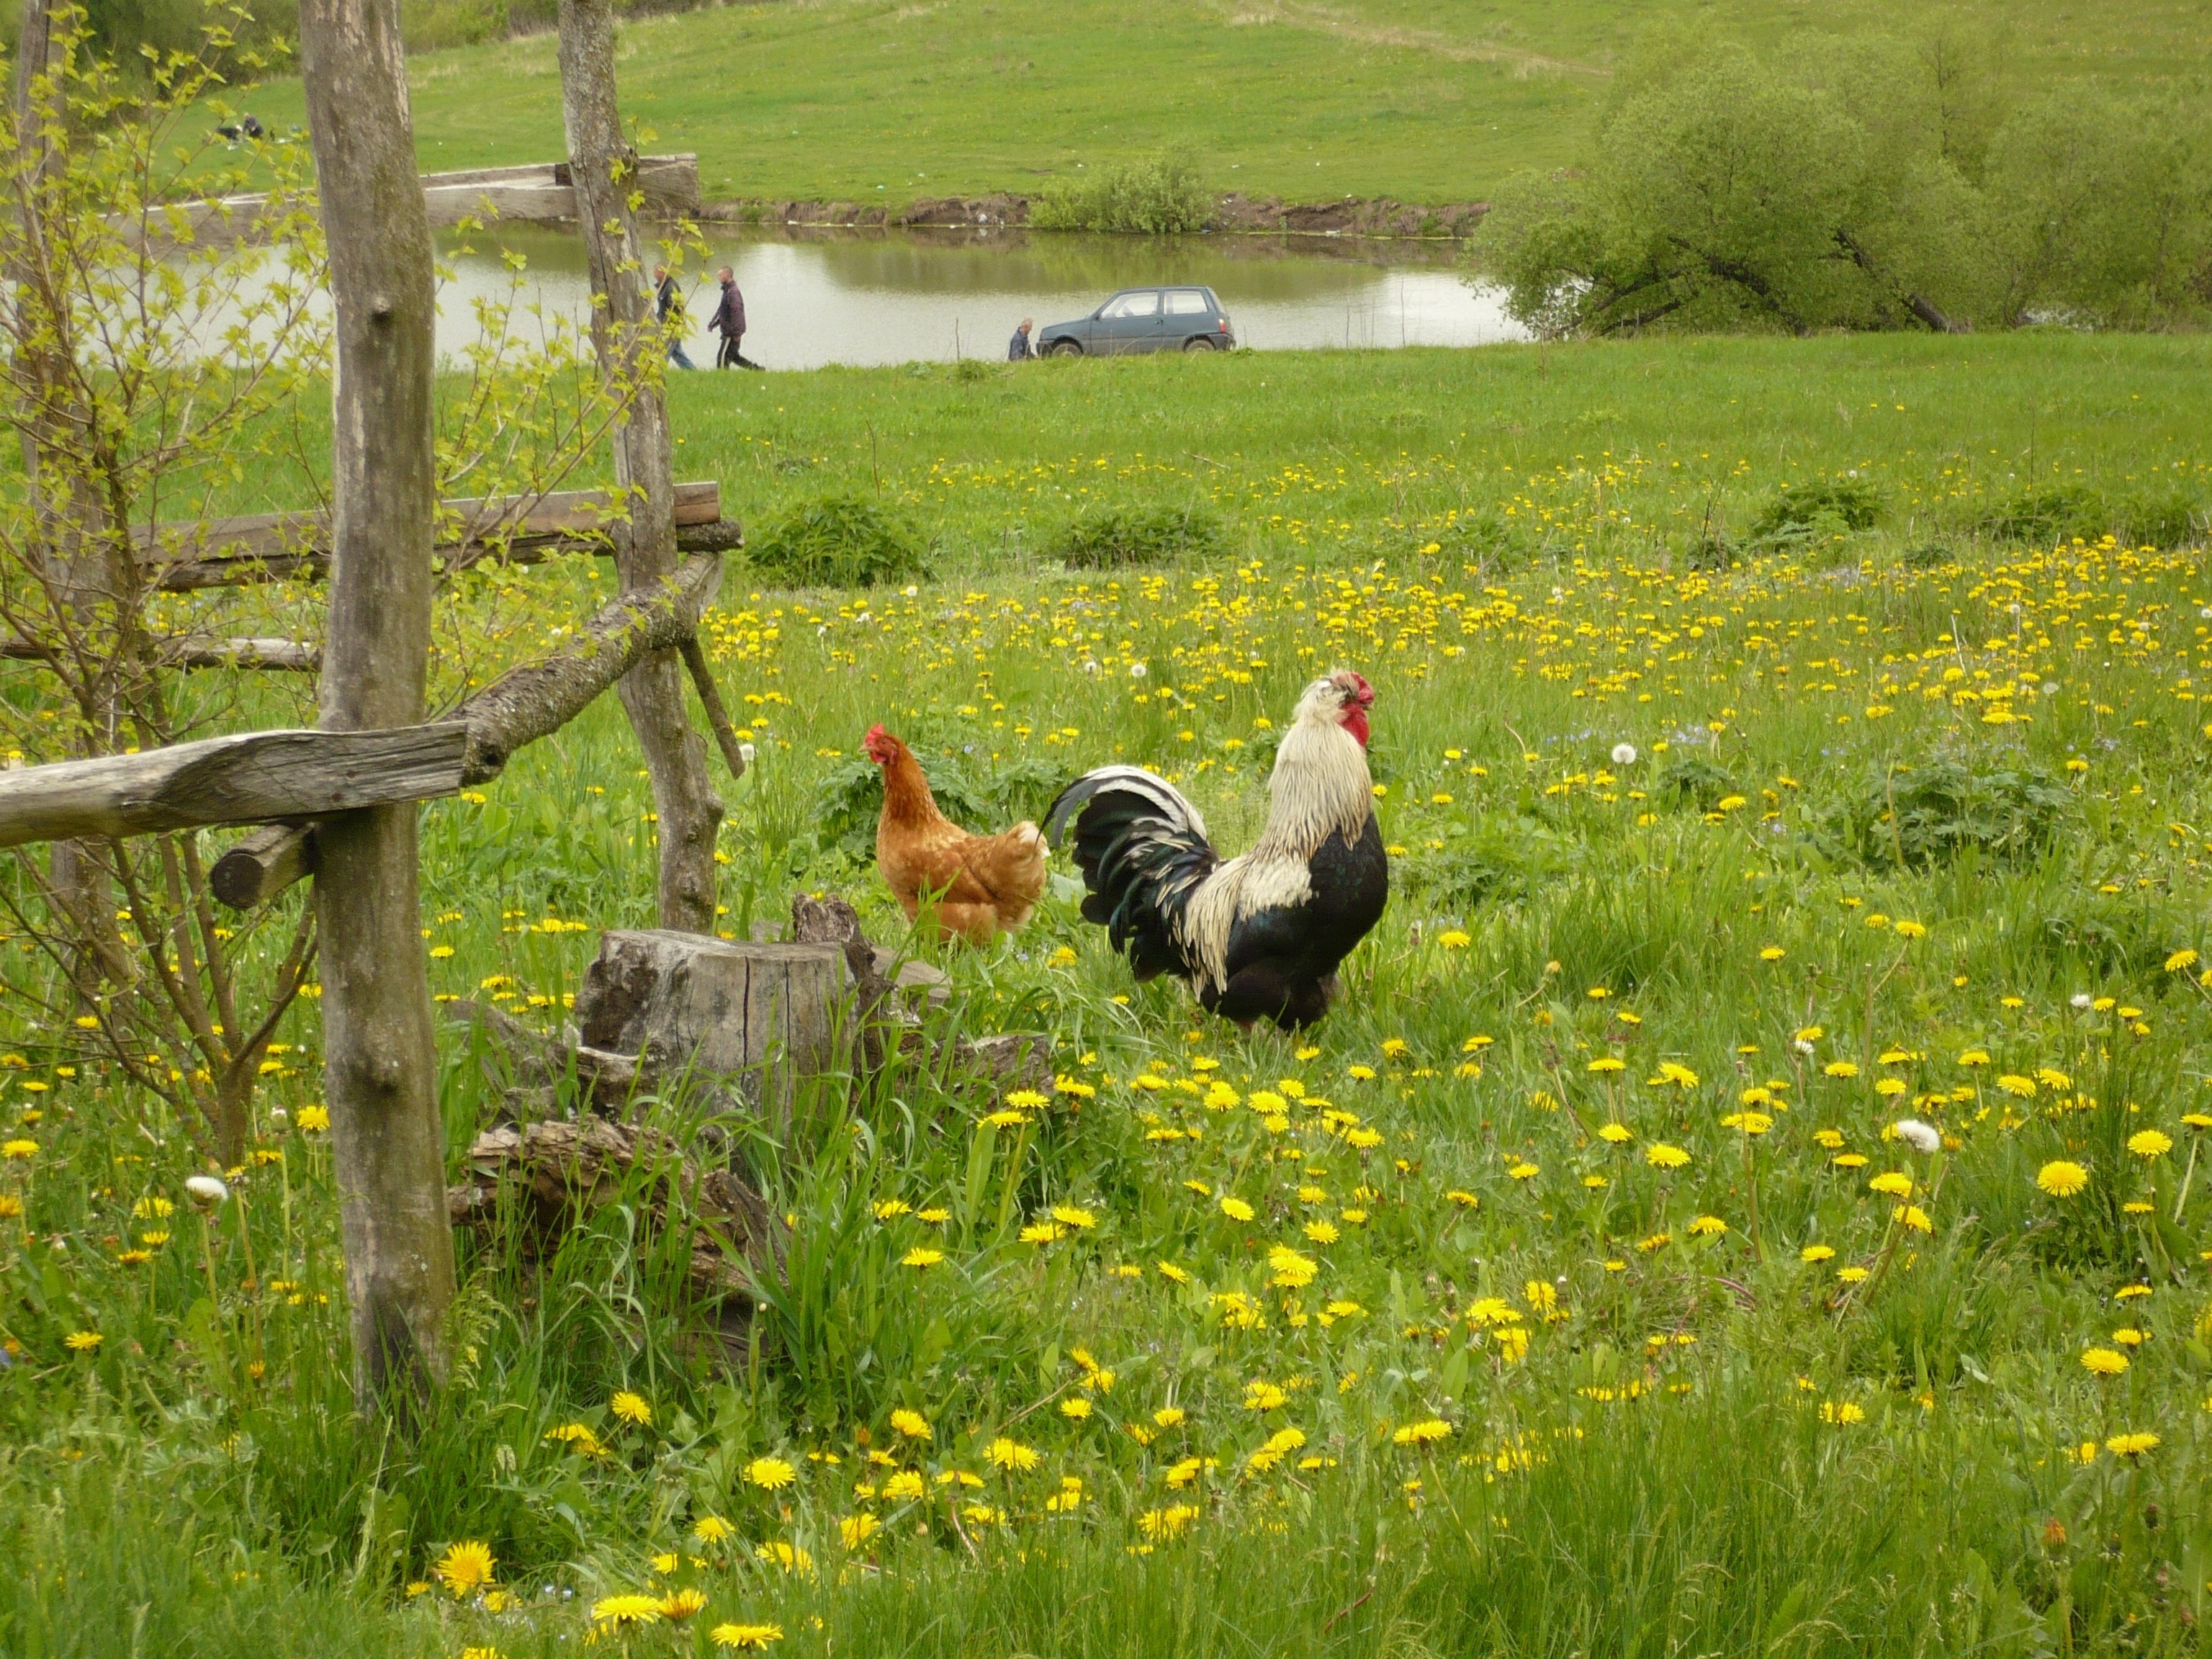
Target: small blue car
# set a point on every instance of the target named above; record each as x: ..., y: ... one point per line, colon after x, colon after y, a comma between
x: 1144, y: 319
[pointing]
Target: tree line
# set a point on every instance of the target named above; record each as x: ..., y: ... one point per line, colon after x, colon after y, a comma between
x: 1869, y: 184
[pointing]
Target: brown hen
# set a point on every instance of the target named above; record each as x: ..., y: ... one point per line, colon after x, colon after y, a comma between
x: 974, y: 886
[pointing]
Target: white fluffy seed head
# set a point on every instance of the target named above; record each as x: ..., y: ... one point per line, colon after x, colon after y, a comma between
x: 1921, y: 1136
x: 206, y: 1191
x: 1624, y: 754
x: 2082, y: 1000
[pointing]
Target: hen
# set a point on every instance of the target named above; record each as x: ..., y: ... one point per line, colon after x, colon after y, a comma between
x: 974, y: 886
x: 1260, y: 934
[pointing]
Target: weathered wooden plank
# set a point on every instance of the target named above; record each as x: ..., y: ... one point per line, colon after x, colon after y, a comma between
x: 296, y: 544
x: 192, y: 650
x: 255, y: 778
x: 539, y: 193
x: 263, y: 865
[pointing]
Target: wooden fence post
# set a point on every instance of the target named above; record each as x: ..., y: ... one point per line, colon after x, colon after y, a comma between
x: 379, y: 1053
x: 602, y: 171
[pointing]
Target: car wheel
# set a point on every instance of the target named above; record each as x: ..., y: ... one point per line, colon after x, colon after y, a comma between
x: 1063, y: 349
x: 1199, y: 342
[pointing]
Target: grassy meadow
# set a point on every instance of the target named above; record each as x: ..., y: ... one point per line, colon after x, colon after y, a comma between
x: 1765, y: 759
x: 854, y: 100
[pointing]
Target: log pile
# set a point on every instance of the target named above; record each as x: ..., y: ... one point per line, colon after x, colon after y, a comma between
x: 558, y: 1174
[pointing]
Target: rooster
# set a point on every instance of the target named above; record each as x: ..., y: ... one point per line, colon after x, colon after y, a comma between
x: 976, y: 886
x: 1260, y: 934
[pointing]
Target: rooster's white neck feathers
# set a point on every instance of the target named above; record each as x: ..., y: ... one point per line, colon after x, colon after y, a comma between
x: 1319, y: 787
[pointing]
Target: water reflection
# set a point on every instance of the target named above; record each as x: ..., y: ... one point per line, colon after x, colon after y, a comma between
x: 860, y: 298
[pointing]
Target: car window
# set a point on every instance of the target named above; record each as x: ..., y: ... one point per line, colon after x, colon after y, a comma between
x: 1187, y: 302
x: 1145, y: 303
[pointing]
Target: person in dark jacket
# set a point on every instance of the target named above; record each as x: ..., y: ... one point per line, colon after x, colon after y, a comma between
x: 729, y: 322
x: 1017, y: 349
x: 668, y: 309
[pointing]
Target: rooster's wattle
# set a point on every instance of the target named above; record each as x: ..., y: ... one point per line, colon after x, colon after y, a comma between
x: 1260, y: 935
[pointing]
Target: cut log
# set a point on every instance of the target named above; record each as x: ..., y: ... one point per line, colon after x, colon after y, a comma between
x: 255, y: 778
x: 760, y: 1016
x: 263, y: 865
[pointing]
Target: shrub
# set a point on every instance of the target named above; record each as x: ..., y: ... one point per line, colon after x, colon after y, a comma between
x: 2052, y: 514
x: 840, y: 540
x: 1826, y: 507
x: 1693, y: 780
x: 1137, y: 535
x: 1155, y: 197
x: 1934, y: 812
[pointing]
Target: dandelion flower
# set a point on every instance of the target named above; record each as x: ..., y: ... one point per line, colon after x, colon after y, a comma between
x: 1236, y: 1209
x: 2133, y: 1445
x: 1708, y: 1226
x: 1010, y: 1455
x: 1816, y: 1253
x: 1661, y: 1155
x: 465, y: 1568
x: 854, y: 1530
x: 1615, y: 1133
x: 1892, y: 1183
x: 631, y: 1408
x: 2150, y: 1143
x: 713, y: 1529
x: 1424, y: 1433
x: 922, y: 1257
x: 2062, y: 1178
x: 83, y: 1342
x: 912, y: 1425
x: 1921, y: 1136
x: 616, y: 1611
x: 770, y: 1474
x: 754, y: 1638
x: 678, y: 1606
x: 2104, y: 1362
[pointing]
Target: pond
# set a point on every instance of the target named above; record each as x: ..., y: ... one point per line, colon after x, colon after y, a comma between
x: 870, y: 297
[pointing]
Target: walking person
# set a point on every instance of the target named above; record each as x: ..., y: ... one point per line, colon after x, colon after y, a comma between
x: 729, y: 322
x: 1017, y: 349
x: 668, y: 311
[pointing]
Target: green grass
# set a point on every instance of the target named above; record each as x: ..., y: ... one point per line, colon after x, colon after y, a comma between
x: 859, y: 101
x: 1703, y: 1445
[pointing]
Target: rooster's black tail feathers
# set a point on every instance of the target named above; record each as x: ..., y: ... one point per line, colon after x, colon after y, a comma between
x: 1143, y: 851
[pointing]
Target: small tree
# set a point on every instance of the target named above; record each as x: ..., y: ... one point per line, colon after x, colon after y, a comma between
x: 163, y: 360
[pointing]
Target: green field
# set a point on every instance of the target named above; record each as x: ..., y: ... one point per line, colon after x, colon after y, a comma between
x: 857, y: 100
x: 1564, y: 1292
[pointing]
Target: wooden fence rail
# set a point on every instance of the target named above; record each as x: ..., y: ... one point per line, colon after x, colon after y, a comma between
x: 263, y: 777
x: 263, y: 547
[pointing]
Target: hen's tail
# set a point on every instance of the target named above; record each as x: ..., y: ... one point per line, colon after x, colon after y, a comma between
x: 1143, y: 851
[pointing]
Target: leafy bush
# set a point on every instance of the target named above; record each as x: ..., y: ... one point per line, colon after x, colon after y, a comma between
x: 2049, y: 515
x: 840, y: 540
x: 1825, y: 507
x: 1935, y: 811
x: 1692, y: 781
x: 2167, y: 521
x: 1156, y: 197
x: 1494, y: 857
x: 1138, y: 535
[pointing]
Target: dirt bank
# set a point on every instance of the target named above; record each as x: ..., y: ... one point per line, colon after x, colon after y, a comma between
x: 1234, y: 214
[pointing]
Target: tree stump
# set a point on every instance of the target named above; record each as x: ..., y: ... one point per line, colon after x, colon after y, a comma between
x: 763, y: 1016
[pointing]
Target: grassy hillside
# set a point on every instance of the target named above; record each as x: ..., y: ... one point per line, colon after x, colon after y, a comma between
x: 1416, y: 1334
x: 858, y: 100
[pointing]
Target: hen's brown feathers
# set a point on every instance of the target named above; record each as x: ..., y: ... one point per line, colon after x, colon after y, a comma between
x: 974, y: 886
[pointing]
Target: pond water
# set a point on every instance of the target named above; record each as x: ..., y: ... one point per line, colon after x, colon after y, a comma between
x: 861, y: 297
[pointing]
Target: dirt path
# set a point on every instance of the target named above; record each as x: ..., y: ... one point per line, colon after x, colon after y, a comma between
x: 1329, y: 19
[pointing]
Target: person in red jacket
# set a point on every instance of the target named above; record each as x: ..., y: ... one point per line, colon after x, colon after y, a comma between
x: 729, y: 322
